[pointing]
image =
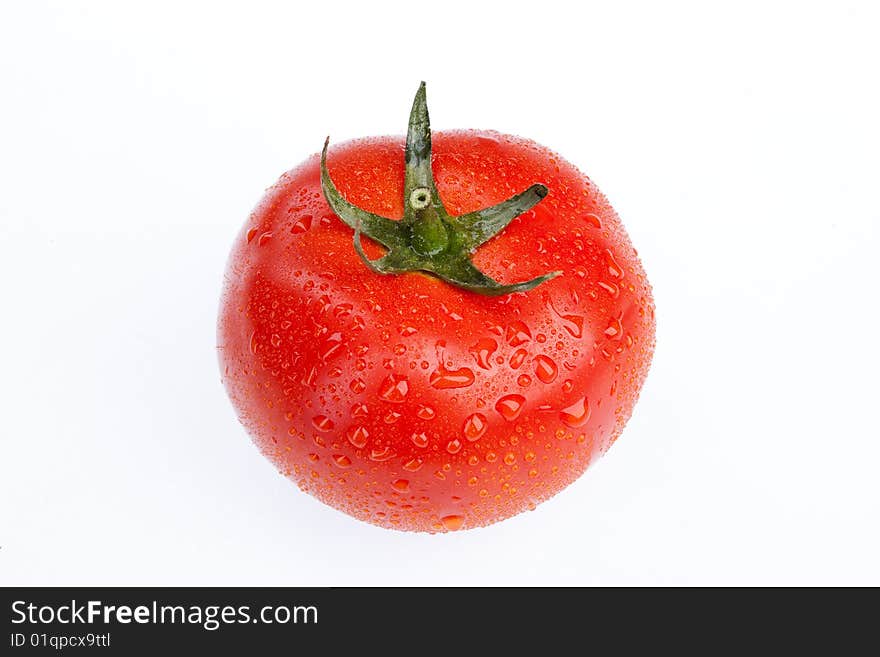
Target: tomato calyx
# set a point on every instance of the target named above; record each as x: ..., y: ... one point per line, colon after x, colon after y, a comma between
x: 428, y: 238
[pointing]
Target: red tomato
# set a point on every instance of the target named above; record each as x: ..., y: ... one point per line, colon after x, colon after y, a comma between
x: 403, y: 399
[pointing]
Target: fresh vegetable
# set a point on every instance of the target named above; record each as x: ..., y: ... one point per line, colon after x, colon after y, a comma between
x: 434, y: 333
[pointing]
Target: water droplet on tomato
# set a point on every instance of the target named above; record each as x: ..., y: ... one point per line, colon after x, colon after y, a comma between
x: 406, y: 331
x: 342, y: 310
x: 394, y: 389
x: 611, y: 288
x: 577, y: 414
x: 413, y: 464
x: 444, y: 379
x: 426, y: 413
x: 524, y: 380
x: 509, y: 458
x: 452, y: 523
x: 482, y: 351
x: 357, y: 436
x: 310, y: 378
x: 401, y: 485
x: 251, y: 234
x: 573, y: 324
x: 359, y: 411
x: 391, y: 417
x: 614, y: 269
x: 454, y: 316
x: 342, y: 460
x: 265, y: 237
x: 614, y: 330
x: 593, y: 220
x: 567, y: 385
x: 475, y: 426
x: 453, y: 446
x: 380, y: 454
x: 510, y: 406
x: 419, y: 439
x: 330, y: 346
x: 546, y: 369
x: 302, y: 224
x: 357, y: 386
x: 518, y: 358
x: 518, y: 333
x: 322, y: 423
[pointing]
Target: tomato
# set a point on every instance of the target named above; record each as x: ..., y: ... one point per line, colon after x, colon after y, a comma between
x: 428, y: 391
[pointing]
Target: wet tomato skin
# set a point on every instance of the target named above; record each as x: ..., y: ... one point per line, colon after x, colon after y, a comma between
x: 403, y: 400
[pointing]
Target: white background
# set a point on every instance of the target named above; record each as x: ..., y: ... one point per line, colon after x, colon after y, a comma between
x: 739, y: 145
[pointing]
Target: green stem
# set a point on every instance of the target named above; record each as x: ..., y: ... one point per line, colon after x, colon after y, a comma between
x: 428, y: 238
